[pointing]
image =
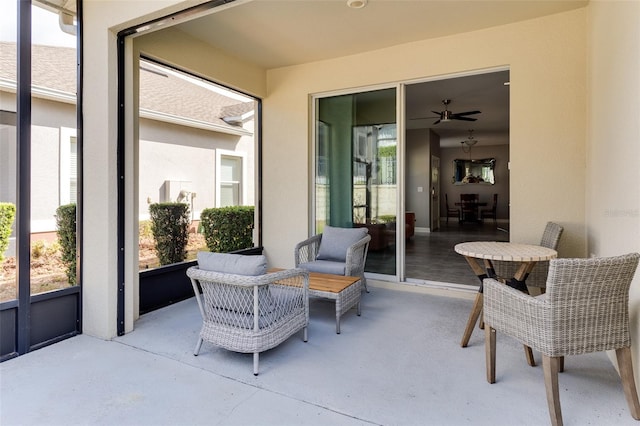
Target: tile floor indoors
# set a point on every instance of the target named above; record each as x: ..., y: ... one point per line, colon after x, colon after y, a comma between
x: 400, y: 363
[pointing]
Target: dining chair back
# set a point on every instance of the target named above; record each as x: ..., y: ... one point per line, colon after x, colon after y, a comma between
x: 469, y: 204
x: 538, y: 276
x: 492, y: 212
x: 451, y: 212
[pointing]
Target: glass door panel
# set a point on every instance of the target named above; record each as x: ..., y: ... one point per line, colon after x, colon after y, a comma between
x: 53, y: 155
x: 356, y: 170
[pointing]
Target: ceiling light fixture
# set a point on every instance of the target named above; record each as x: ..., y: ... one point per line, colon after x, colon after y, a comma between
x: 467, y: 144
x: 356, y: 4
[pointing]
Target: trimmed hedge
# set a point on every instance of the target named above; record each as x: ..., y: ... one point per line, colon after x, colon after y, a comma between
x: 170, y: 228
x: 228, y: 229
x: 66, y: 230
x: 7, y: 215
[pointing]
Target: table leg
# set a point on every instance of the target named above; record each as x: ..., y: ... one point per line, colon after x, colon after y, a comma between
x: 473, y: 317
x: 477, y: 304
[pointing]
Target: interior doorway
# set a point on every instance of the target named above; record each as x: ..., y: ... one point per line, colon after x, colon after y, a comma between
x: 459, y: 120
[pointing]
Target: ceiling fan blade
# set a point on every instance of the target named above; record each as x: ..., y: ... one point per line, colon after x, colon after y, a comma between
x: 467, y: 113
x: 463, y: 118
x: 423, y: 118
x: 436, y: 122
x: 437, y: 112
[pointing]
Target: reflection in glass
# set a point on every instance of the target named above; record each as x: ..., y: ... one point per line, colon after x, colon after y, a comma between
x: 356, y: 170
x: 54, y: 154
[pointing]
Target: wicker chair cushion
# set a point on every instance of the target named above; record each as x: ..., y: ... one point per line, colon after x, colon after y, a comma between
x: 236, y: 298
x: 336, y: 241
x: 325, y: 267
x: 228, y: 263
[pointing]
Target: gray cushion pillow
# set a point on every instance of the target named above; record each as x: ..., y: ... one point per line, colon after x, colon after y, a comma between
x: 336, y: 241
x: 228, y: 263
x: 234, y: 298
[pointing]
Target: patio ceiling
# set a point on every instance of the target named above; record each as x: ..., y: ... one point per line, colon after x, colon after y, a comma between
x: 280, y: 33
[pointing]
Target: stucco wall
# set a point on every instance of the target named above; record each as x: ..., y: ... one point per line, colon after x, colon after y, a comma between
x: 546, y: 58
x: 613, y: 197
x: 101, y: 22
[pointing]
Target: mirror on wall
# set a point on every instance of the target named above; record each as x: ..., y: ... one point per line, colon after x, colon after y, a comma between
x: 474, y: 171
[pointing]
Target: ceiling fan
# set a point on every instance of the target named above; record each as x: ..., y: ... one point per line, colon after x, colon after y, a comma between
x: 446, y: 115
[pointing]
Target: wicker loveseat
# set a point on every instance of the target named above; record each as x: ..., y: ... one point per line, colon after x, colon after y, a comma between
x: 245, y: 309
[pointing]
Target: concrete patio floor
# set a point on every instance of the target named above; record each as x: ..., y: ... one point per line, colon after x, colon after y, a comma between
x: 400, y: 363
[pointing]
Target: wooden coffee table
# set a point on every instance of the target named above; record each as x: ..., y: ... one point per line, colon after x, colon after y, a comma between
x: 346, y: 291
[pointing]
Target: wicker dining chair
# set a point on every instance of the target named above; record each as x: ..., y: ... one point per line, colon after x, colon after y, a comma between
x: 245, y: 309
x: 585, y: 309
x: 538, y: 276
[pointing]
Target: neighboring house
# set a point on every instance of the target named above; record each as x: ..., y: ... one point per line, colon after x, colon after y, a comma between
x: 196, y: 139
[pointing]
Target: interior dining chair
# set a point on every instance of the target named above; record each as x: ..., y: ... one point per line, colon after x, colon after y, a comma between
x: 469, y: 207
x: 585, y: 309
x: 492, y: 212
x: 451, y: 212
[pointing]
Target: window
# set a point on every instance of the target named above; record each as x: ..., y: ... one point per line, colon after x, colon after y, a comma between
x: 230, y: 170
x: 68, y: 166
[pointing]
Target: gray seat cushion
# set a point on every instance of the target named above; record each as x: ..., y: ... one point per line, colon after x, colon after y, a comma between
x: 325, y: 267
x: 228, y: 263
x: 336, y: 241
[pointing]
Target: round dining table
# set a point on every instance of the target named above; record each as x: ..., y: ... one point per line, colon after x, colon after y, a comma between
x: 479, y: 256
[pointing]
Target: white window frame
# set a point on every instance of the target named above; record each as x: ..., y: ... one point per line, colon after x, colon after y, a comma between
x: 66, y: 133
x: 243, y: 185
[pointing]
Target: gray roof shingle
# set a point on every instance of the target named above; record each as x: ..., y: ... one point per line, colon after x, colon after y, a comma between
x: 162, y: 92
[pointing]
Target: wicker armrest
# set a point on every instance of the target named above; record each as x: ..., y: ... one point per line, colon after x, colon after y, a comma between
x: 513, y: 312
x: 356, y: 257
x: 307, y: 250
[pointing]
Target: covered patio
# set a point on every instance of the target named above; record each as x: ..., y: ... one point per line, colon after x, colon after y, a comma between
x: 400, y: 363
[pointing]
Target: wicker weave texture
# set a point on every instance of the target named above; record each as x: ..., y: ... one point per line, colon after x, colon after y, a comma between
x: 585, y: 308
x: 307, y: 251
x: 538, y: 276
x: 251, y: 313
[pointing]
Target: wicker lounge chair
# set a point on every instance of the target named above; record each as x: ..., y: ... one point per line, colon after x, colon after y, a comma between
x: 245, y: 310
x: 338, y: 251
x: 585, y: 309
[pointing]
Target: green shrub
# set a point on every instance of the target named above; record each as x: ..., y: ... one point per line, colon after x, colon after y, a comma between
x: 7, y: 214
x: 170, y: 228
x: 228, y: 229
x: 144, y: 228
x: 66, y: 229
x: 386, y: 218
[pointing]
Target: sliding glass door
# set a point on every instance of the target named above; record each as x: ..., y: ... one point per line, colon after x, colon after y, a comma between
x: 356, y: 173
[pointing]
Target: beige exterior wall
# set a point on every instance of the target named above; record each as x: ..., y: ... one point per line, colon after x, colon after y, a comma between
x: 101, y: 22
x: 547, y: 59
x: 613, y: 130
x: 556, y: 105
